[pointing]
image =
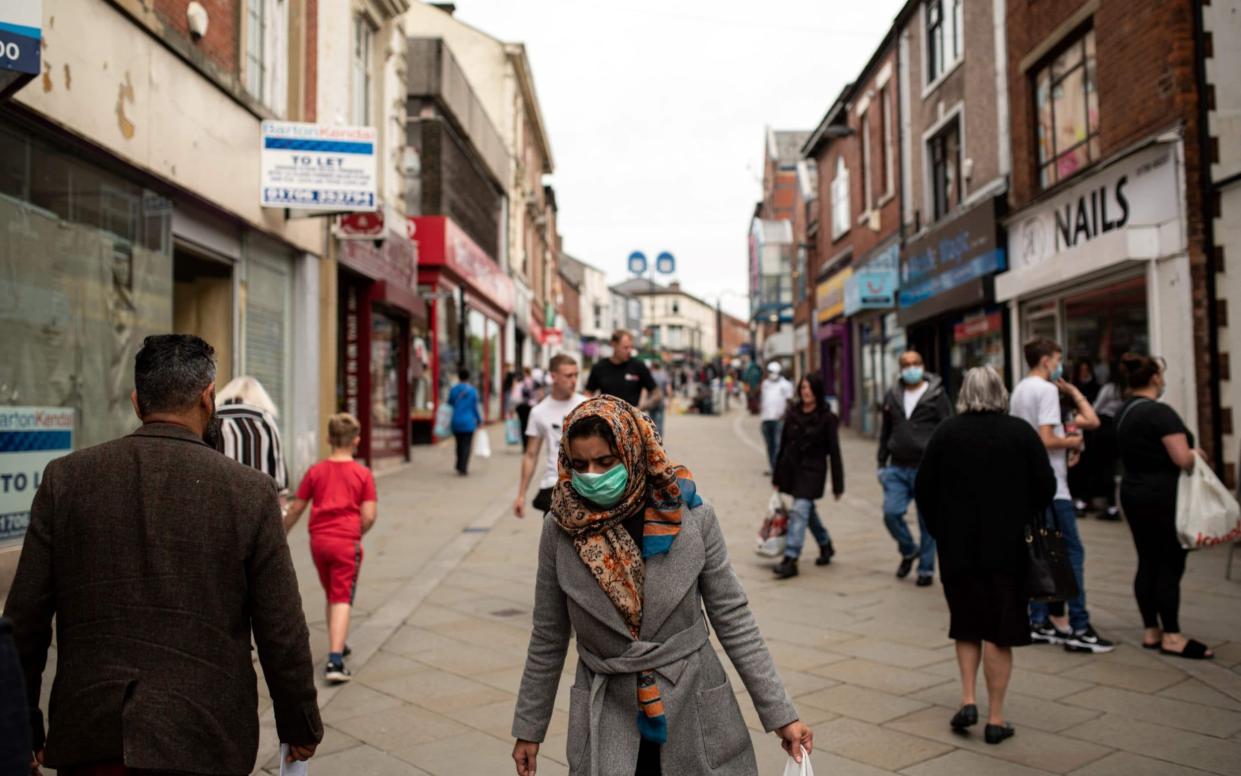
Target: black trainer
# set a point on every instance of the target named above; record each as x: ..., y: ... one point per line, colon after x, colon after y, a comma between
x: 826, y: 551
x: 1046, y: 633
x: 337, y: 673
x: 907, y: 565
x: 925, y: 580
x: 1088, y: 641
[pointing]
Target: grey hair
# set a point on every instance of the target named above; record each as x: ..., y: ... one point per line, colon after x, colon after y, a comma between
x: 171, y: 371
x: 982, y: 391
x: 247, y: 390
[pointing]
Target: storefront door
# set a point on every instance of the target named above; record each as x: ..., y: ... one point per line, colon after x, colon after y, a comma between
x: 202, y: 304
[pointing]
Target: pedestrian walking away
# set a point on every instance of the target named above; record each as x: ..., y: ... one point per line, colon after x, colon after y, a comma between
x: 522, y: 399
x: 545, y: 430
x: 1036, y: 400
x: 466, y: 418
x: 249, y: 431
x: 983, y: 477
x: 629, y: 558
x: 776, y: 392
x: 809, y: 442
x: 343, y: 502
x: 1155, y: 447
x: 911, y: 412
x: 623, y: 376
x: 160, y: 560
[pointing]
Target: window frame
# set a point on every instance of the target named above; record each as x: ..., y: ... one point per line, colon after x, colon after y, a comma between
x: 953, y: 121
x: 361, y: 71
x: 1077, y: 37
x: 886, y: 143
x: 839, y: 184
x: 868, y: 187
x: 947, y: 31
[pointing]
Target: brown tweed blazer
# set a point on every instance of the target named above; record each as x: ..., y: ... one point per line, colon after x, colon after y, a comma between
x: 158, y: 556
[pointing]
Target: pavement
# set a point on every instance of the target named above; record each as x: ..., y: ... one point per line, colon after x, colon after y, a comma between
x: 443, y: 616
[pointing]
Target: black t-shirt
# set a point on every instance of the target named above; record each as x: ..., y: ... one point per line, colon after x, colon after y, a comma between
x: 1141, y: 425
x: 624, y: 381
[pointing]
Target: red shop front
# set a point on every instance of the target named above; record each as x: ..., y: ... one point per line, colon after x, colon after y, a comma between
x: 378, y: 313
x: 471, y: 298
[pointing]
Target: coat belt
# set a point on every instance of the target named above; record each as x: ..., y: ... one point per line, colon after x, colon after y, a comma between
x: 667, y: 658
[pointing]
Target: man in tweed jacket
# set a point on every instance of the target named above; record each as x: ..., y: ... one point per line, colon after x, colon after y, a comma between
x: 158, y: 557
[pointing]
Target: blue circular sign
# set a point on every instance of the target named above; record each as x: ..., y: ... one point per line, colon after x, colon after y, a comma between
x: 637, y: 262
x: 665, y: 263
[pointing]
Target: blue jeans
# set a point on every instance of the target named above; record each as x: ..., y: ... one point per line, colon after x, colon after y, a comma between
x: 657, y: 416
x: 1062, y: 515
x: 898, y: 492
x: 771, y: 435
x: 803, y: 513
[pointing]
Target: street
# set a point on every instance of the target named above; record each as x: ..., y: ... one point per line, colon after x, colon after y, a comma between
x: 444, y: 606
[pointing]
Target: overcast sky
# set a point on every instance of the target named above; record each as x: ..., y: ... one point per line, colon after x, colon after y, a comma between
x: 656, y: 109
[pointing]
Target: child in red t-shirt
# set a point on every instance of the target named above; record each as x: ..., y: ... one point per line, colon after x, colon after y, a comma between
x: 343, y: 493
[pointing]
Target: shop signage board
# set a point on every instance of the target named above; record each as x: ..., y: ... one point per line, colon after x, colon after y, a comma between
x: 829, y: 296
x: 318, y: 167
x: 977, y: 327
x: 21, y: 35
x: 961, y: 250
x: 1139, y: 191
x: 30, y: 439
x: 441, y: 243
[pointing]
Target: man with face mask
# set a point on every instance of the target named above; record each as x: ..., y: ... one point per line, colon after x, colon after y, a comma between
x: 160, y: 559
x: 912, y: 410
x: 1036, y: 400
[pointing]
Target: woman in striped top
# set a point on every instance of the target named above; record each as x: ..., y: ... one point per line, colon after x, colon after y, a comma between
x: 249, y: 432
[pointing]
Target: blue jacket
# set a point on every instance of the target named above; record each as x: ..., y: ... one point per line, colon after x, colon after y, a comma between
x: 464, y: 400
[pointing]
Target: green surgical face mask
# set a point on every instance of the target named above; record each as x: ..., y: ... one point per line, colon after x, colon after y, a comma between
x: 603, y: 489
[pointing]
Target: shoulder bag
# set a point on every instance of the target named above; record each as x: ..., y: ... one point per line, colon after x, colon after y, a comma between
x: 1049, y: 575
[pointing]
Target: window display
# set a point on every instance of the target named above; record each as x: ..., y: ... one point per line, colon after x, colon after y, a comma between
x: 387, y: 419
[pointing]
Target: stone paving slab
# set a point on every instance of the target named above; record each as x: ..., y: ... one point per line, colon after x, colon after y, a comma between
x: 1159, y: 742
x: 1129, y: 764
x: 960, y: 761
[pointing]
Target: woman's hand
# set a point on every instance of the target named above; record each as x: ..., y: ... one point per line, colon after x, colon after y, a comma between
x: 525, y: 753
x: 794, y: 737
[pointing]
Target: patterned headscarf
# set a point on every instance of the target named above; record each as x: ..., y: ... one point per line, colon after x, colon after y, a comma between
x: 660, y: 487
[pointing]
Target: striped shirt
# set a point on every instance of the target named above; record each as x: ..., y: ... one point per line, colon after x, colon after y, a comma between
x: 252, y: 437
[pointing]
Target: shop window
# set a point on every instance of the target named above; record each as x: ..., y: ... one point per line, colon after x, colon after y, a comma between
x: 360, y: 71
x: 387, y: 418
x: 1066, y: 101
x: 840, y: 199
x: 448, y: 339
x: 266, y: 52
x: 421, y: 403
x: 945, y: 36
x: 944, y: 153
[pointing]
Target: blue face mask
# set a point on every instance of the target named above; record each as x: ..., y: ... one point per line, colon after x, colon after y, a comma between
x: 603, y: 489
x: 1057, y: 373
x: 912, y: 375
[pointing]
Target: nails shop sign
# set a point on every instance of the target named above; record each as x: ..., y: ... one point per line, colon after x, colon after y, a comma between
x: 30, y: 439
x: 21, y: 23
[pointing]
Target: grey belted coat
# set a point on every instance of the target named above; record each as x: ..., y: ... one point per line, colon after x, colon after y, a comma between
x: 706, y: 732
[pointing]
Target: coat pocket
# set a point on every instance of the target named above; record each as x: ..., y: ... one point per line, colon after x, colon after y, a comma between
x: 577, y: 745
x: 724, y: 734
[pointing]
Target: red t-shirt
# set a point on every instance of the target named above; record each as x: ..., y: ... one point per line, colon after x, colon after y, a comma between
x: 336, y: 490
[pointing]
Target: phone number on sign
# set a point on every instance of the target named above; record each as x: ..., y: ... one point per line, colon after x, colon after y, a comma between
x: 314, y: 197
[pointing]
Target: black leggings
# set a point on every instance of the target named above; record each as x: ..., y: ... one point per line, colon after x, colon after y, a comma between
x: 648, y: 760
x: 465, y: 440
x: 1161, y: 561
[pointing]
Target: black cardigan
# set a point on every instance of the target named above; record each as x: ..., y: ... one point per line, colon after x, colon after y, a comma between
x: 808, y: 442
x: 983, y: 476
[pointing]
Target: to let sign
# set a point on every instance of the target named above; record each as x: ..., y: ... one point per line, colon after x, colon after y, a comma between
x: 318, y: 167
x: 30, y: 439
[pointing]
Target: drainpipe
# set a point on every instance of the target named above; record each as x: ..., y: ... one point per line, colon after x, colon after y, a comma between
x: 1208, y: 234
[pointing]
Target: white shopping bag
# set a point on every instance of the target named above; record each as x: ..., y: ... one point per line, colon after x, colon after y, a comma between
x: 295, y: 768
x: 773, y: 533
x: 793, y: 768
x: 1206, y: 513
x: 482, y: 444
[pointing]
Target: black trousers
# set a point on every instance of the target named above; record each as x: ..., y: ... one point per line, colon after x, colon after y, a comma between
x: 1161, y: 561
x: 523, y: 417
x: 465, y: 441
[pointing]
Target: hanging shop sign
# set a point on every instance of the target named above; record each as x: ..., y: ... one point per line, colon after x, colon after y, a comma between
x: 21, y: 35
x: 873, y: 285
x: 30, y: 439
x: 829, y: 296
x: 962, y: 250
x: 318, y: 167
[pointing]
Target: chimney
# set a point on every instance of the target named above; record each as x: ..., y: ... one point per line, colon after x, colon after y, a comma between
x: 448, y: 8
x: 675, y: 285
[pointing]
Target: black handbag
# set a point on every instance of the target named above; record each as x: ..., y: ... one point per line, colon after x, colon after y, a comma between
x: 1049, y: 575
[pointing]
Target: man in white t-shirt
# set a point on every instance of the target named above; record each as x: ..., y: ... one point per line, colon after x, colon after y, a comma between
x: 777, y: 391
x: 544, y: 429
x: 1036, y: 400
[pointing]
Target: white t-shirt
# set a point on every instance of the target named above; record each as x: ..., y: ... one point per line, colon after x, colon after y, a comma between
x: 1037, y: 402
x: 776, y: 395
x: 913, y: 397
x: 547, y: 421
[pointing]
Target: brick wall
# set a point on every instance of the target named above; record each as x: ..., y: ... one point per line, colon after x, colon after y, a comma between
x: 220, y: 46
x: 1146, y: 83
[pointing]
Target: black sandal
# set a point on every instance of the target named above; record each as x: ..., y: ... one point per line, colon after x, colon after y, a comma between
x: 1194, y: 650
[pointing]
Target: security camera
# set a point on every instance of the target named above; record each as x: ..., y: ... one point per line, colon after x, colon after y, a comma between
x: 196, y: 16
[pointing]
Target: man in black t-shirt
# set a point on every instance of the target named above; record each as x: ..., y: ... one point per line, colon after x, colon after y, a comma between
x: 624, y: 376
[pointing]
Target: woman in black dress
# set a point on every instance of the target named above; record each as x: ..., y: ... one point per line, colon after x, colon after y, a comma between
x: 983, y: 477
x: 1155, y: 447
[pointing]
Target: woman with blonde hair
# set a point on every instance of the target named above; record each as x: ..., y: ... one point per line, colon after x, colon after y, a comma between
x: 249, y: 433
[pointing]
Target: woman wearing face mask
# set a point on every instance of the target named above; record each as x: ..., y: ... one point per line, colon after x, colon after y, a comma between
x: 1155, y: 447
x: 629, y: 558
x: 808, y: 443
